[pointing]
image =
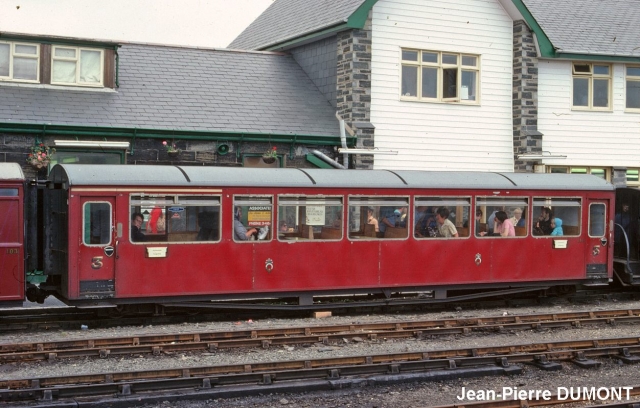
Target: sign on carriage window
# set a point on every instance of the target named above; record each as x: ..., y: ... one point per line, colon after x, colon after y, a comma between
x: 495, y: 216
x: 442, y: 217
x: 252, y: 218
x: 177, y: 218
x: 556, y: 216
x: 96, y: 224
x: 303, y: 218
x: 379, y: 217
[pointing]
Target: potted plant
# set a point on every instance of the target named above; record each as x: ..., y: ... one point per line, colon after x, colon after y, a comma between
x: 172, y: 150
x: 40, y: 156
x: 270, y: 155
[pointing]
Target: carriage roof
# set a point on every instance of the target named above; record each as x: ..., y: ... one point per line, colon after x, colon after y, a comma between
x: 195, y: 176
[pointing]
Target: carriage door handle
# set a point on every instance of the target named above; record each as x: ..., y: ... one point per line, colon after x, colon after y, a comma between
x: 478, y: 260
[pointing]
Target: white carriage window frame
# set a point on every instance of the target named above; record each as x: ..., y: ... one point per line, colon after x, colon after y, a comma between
x: 258, y: 200
x: 591, y: 220
x: 77, y: 59
x: 445, y: 201
x: 84, y: 223
x: 13, y: 54
x: 555, y: 202
x: 170, y: 199
x: 300, y: 200
x: 464, y: 67
x: 362, y: 201
x: 587, y: 77
x: 510, y: 203
x: 602, y: 172
x: 632, y: 79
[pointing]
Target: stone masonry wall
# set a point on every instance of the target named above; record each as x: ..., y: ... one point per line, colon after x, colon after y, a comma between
x: 354, y: 88
x: 526, y: 138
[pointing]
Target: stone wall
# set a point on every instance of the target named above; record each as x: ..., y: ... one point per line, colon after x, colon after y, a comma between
x: 354, y: 88
x: 526, y: 137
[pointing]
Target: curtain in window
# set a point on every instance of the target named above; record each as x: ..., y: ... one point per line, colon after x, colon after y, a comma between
x: 90, y: 66
x: 4, y: 59
x: 64, y: 71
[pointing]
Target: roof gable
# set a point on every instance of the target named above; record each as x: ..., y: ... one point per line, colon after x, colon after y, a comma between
x: 587, y: 27
x: 286, y: 20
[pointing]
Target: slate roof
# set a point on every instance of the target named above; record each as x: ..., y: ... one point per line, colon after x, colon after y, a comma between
x: 185, y: 89
x: 605, y: 27
x: 288, y: 19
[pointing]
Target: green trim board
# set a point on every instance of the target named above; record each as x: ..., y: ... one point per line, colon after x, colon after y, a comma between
x: 227, y: 136
x: 546, y: 47
x: 318, y: 162
x: 359, y: 17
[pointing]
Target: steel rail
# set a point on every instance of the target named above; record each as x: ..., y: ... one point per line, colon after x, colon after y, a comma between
x: 211, y: 341
x: 447, y: 363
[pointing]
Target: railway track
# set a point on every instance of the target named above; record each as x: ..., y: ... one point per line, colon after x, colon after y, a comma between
x: 316, y: 374
x: 327, y: 334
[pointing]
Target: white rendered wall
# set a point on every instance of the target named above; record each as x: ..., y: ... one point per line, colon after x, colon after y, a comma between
x: 587, y: 138
x: 443, y: 136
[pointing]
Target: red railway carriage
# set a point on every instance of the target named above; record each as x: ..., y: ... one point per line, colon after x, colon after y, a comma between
x: 12, y: 267
x: 220, y: 233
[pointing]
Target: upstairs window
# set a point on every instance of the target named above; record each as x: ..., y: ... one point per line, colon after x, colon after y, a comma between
x: 434, y: 76
x: 591, y: 86
x: 633, y: 87
x: 77, y: 66
x: 19, y: 61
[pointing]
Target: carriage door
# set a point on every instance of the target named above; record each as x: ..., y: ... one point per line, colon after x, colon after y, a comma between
x: 599, y: 245
x: 96, y: 262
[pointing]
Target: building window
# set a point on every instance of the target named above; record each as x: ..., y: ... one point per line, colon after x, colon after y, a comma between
x: 601, y: 172
x: 633, y: 87
x: 633, y: 177
x: 434, y: 76
x: 77, y: 66
x: 19, y: 62
x: 591, y: 86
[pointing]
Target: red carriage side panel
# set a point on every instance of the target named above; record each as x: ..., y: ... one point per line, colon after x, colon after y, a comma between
x: 12, y: 273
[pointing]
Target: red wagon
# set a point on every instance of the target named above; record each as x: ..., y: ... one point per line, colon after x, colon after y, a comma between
x: 310, y: 232
x: 12, y: 266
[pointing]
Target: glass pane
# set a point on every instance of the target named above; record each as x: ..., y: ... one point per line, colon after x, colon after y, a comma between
x: 468, y: 88
x: 409, y: 55
x: 374, y: 221
x: 601, y: 93
x: 305, y: 222
x: 597, y: 220
x: 90, y: 66
x: 86, y: 158
x: 252, y: 222
x: 431, y: 57
x: 562, y: 170
x: 409, y: 81
x: 632, y: 176
x: 442, y: 217
x: 25, y: 68
x: 580, y: 92
x: 429, y: 82
x: 633, y: 71
x: 633, y: 94
x: 97, y: 223
x: 469, y: 61
x: 602, y: 173
x: 65, y: 52
x: 8, y: 192
x: 4, y: 59
x: 500, y: 217
x: 556, y: 216
x: 449, y: 83
x: 26, y: 49
x: 64, y: 71
x: 577, y: 170
x: 582, y: 68
x: 601, y: 69
x: 450, y: 59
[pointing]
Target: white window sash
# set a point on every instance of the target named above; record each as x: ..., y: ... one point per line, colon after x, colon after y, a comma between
x: 76, y: 75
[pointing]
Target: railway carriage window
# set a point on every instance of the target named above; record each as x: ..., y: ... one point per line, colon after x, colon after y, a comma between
x: 97, y: 224
x: 426, y: 220
x: 252, y: 218
x: 516, y: 210
x: 305, y: 218
x: 379, y: 217
x: 178, y: 218
x: 597, y: 220
x: 561, y: 214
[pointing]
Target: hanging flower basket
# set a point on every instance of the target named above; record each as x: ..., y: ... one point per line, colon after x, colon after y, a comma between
x: 172, y: 150
x: 40, y: 156
x: 270, y: 155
